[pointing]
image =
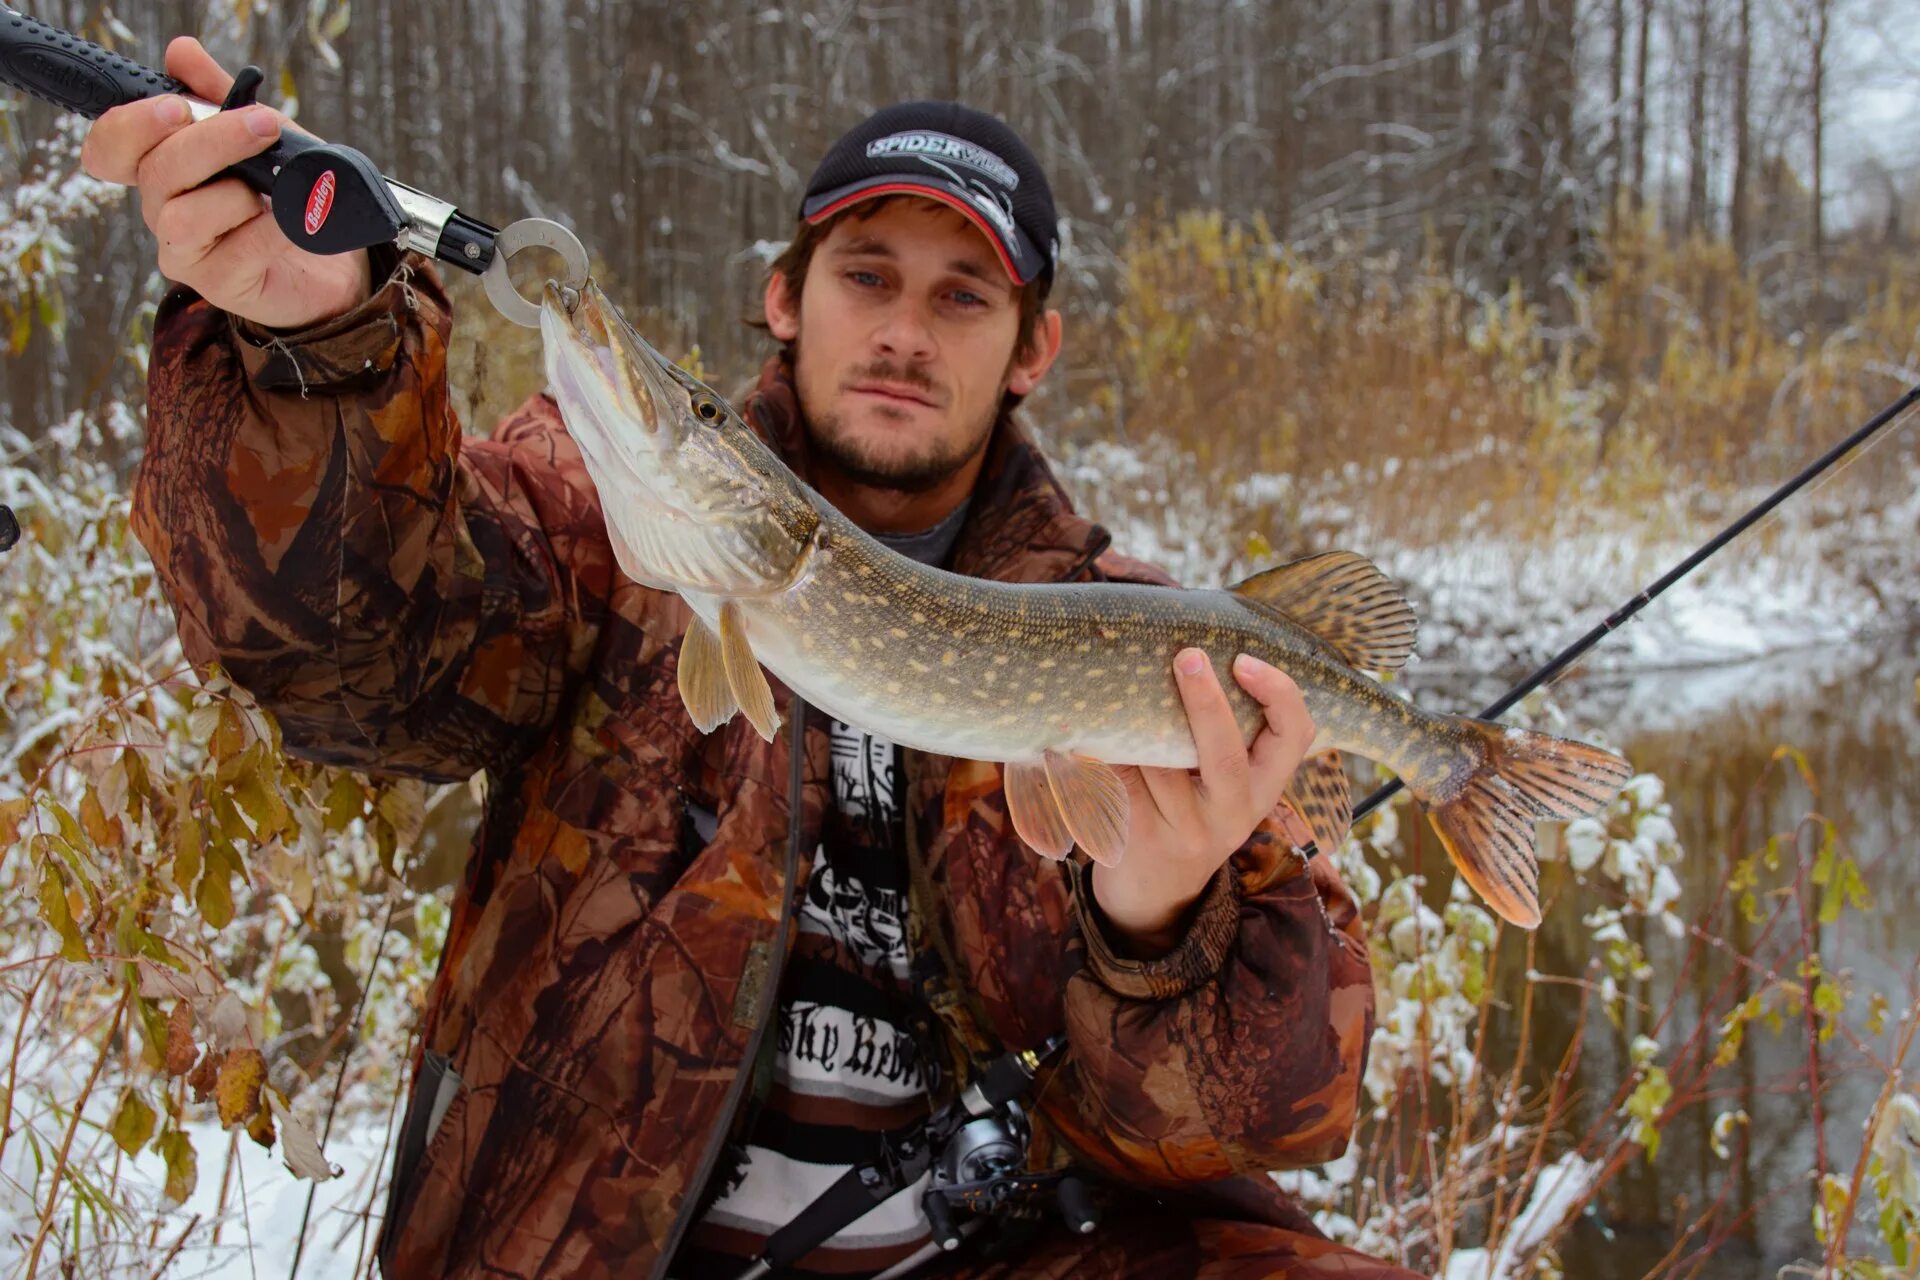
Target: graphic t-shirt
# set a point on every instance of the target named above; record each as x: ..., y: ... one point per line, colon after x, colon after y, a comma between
x: 846, y: 1067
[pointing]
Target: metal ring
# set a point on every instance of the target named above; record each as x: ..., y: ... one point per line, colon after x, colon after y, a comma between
x: 530, y: 233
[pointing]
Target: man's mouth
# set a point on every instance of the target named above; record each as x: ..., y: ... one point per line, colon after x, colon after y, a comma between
x: 893, y: 393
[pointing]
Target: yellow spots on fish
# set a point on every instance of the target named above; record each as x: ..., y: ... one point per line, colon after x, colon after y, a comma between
x: 939, y: 699
x: 853, y: 597
x: 1136, y: 648
x: 1036, y: 697
x: 898, y: 633
x: 1096, y: 673
x: 988, y: 677
x: 833, y: 610
x: 853, y: 643
x: 1115, y: 706
x: 864, y: 570
x: 893, y: 686
x: 948, y: 658
x: 1080, y: 704
x: 999, y: 659
x: 919, y: 616
x: 1108, y: 633
x: 920, y: 668
x: 877, y: 643
x: 1143, y: 670
x: 1012, y: 717
x: 1045, y: 663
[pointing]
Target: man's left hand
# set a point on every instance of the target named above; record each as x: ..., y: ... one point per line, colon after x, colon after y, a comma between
x: 1186, y: 823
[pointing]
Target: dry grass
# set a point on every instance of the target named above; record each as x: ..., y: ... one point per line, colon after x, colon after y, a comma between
x: 1671, y: 369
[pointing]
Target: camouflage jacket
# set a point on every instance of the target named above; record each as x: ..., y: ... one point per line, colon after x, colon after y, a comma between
x: 409, y: 600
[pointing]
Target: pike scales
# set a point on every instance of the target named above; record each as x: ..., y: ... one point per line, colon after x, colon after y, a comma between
x: 1058, y: 683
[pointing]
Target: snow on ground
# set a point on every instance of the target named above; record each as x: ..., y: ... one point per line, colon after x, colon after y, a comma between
x: 1560, y: 1186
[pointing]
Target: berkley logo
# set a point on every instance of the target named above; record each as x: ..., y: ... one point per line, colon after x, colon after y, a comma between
x: 320, y: 203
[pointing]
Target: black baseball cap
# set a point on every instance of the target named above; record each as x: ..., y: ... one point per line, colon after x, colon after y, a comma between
x: 961, y: 157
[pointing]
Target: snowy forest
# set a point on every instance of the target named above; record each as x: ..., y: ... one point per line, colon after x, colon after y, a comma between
x: 1522, y: 299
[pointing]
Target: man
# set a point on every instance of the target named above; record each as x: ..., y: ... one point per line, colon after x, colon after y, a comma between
x: 672, y: 1005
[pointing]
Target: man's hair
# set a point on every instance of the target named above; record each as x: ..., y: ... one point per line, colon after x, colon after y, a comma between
x: 794, y: 260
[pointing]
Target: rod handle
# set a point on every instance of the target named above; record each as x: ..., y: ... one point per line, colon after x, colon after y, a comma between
x: 70, y: 72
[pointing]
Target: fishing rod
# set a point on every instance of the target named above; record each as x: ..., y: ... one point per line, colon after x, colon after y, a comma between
x: 1613, y: 621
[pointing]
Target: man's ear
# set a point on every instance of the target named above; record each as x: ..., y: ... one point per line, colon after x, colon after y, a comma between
x: 1029, y: 368
x: 783, y: 317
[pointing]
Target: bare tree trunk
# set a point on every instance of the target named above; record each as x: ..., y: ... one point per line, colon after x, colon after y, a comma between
x: 1822, y: 10
x: 1616, y: 121
x: 1696, y: 214
x: 1742, y: 131
x: 1640, y: 103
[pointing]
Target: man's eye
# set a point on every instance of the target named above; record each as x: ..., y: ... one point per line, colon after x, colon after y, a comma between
x: 966, y: 299
x: 866, y: 279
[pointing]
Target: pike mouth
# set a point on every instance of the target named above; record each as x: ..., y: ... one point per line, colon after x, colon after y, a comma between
x: 595, y: 354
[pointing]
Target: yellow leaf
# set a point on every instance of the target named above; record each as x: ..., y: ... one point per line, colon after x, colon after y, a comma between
x: 132, y: 1122
x: 237, y: 1090
x: 189, y: 843
x: 346, y: 800
x: 12, y: 813
x: 215, y: 898
x: 260, y: 1127
x: 183, y: 1169
x: 56, y: 911
x: 102, y: 830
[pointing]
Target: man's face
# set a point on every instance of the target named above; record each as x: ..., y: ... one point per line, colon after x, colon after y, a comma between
x: 904, y: 344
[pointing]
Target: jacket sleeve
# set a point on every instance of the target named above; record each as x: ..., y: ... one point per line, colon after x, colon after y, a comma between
x: 1240, y: 1050
x: 403, y: 599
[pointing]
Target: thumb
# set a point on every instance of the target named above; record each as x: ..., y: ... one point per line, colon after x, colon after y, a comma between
x: 189, y: 62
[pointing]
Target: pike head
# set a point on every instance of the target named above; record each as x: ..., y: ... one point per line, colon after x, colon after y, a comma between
x: 693, y: 501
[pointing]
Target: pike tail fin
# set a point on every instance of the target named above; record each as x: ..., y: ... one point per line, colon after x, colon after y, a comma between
x: 1487, y: 825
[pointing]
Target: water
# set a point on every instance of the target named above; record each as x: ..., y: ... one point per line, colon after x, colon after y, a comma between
x: 1855, y: 715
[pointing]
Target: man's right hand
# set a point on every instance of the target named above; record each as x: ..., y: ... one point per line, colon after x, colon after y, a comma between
x: 218, y: 238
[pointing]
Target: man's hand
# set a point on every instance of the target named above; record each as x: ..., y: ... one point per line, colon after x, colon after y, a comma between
x: 219, y: 238
x: 1185, y: 826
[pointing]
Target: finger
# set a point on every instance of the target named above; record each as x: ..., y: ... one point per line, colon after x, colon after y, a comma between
x: 192, y: 225
x: 189, y: 62
x: 122, y: 137
x: 1216, y: 734
x: 1290, y: 730
x: 193, y: 155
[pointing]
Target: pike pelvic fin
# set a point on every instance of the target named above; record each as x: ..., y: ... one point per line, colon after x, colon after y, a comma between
x: 744, y: 676
x: 1488, y: 826
x: 1344, y: 599
x: 718, y: 675
x: 1093, y: 803
x: 1036, y: 818
x: 702, y: 676
x: 1320, y: 794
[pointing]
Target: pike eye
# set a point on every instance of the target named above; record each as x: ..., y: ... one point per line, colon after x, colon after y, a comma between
x: 707, y: 410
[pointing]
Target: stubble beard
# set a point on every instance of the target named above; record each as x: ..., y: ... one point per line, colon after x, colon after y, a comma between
x: 915, y: 471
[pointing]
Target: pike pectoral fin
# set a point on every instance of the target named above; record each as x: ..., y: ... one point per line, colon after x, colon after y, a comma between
x: 744, y: 676
x: 1488, y: 826
x: 1319, y: 793
x: 703, y: 679
x: 1093, y: 803
x: 1036, y: 818
x: 1343, y: 598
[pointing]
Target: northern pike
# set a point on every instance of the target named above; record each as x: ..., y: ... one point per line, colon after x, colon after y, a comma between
x: 1056, y: 683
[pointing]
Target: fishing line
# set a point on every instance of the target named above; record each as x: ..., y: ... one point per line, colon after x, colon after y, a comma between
x: 1555, y: 666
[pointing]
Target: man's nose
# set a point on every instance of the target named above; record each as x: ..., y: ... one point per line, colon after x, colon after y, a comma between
x: 905, y: 332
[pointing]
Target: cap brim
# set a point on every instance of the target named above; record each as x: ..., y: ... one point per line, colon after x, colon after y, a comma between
x: 1017, y: 254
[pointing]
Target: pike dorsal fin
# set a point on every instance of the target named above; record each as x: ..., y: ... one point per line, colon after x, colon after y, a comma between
x: 718, y: 675
x: 1320, y: 794
x: 1345, y: 600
